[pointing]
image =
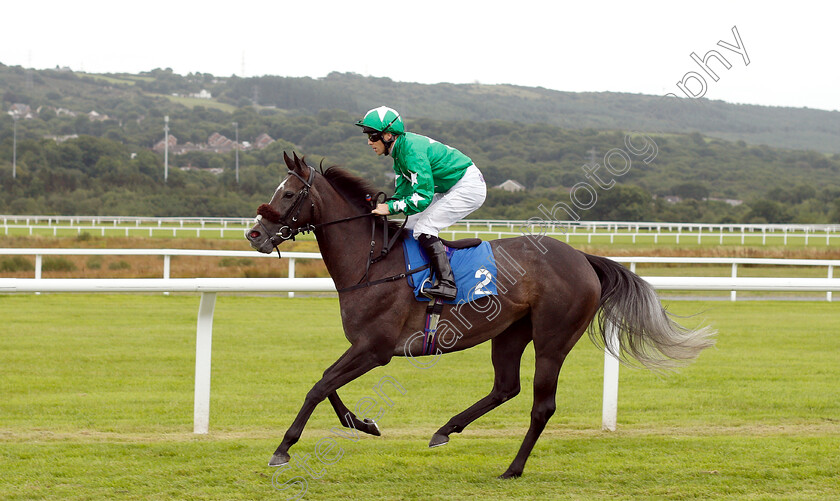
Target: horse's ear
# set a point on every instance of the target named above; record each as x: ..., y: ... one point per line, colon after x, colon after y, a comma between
x: 297, y: 160
x: 289, y: 163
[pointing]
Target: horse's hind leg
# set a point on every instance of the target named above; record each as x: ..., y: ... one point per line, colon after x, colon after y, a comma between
x: 551, y: 345
x: 545, y: 387
x: 507, y: 349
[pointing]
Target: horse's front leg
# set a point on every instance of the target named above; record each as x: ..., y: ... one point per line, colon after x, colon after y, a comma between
x: 355, y: 362
x: 349, y: 420
x: 345, y: 415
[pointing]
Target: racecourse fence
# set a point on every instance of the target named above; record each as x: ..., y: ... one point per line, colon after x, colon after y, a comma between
x: 292, y: 257
x: 166, y: 253
x: 209, y: 287
x: 577, y: 231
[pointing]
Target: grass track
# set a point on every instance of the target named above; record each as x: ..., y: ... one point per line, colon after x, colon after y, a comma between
x: 97, y: 404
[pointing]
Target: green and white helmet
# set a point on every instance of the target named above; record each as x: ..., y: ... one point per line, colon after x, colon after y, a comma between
x: 382, y: 119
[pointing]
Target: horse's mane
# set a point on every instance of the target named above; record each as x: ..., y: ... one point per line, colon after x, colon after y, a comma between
x: 355, y: 190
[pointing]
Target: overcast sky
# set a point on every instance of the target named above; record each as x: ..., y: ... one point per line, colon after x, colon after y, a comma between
x: 622, y: 46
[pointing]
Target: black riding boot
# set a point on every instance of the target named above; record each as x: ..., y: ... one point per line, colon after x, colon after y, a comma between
x: 444, y: 288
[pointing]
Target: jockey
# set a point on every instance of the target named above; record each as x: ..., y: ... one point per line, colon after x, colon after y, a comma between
x: 436, y: 186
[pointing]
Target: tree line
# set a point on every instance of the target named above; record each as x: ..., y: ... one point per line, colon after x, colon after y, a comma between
x: 109, y: 168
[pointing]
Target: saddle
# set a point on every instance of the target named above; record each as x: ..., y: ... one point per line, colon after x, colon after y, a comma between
x: 464, y: 243
x: 435, y: 307
x: 473, y: 266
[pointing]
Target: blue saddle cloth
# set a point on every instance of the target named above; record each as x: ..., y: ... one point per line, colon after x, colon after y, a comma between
x: 474, y: 269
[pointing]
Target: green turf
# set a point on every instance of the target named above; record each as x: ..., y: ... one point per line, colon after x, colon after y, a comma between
x: 97, y: 400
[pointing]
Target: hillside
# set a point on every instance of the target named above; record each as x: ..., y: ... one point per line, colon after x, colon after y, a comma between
x: 796, y: 128
x: 793, y: 128
x: 73, y: 161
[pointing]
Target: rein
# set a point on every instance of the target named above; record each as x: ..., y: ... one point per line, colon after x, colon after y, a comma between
x: 286, y: 232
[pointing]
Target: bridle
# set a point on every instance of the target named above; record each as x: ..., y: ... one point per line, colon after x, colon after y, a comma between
x: 288, y: 232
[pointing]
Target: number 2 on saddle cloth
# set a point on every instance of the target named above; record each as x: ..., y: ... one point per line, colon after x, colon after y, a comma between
x: 475, y: 276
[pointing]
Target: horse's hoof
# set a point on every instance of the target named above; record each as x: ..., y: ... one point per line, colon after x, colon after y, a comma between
x: 372, y: 428
x: 510, y: 474
x: 279, y: 459
x: 438, y: 440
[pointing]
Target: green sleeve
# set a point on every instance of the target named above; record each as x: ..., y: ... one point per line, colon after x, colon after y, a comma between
x: 402, y: 191
x: 415, y: 186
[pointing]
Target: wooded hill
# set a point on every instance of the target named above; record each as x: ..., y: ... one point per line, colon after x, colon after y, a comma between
x: 796, y: 128
x: 538, y: 137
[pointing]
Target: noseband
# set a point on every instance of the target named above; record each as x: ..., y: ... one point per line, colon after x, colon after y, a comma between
x: 287, y: 231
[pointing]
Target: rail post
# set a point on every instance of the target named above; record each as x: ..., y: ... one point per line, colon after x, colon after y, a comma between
x: 732, y: 294
x: 609, y: 413
x: 166, y: 268
x: 39, y: 260
x: 291, y: 273
x: 203, y: 343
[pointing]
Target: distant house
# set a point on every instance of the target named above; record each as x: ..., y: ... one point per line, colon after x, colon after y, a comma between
x: 212, y: 170
x: 262, y: 141
x: 216, y: 143
x: 161, y: 145
x: 511, y: 185
x: 21, y: 110
x: 93, y: 116
x: 61, y: 139
x: 219, y: 143
x: 673, y: 199
x: 203, y: 94
x: 731, y: 201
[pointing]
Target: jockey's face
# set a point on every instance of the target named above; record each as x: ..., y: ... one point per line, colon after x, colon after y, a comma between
x: 378, y: 145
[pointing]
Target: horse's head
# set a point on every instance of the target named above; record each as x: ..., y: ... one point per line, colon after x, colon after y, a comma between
x: 289, y: 211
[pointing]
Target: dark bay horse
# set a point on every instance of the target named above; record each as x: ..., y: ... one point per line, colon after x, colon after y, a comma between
x: 550, y: 295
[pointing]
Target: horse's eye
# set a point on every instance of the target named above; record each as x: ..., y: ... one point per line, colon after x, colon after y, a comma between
x: 288, y: 194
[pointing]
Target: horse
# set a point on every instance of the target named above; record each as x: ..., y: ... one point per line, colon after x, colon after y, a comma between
x: 553, y: 294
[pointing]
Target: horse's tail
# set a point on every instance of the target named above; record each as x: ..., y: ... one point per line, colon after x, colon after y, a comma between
x: 644, y: 330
